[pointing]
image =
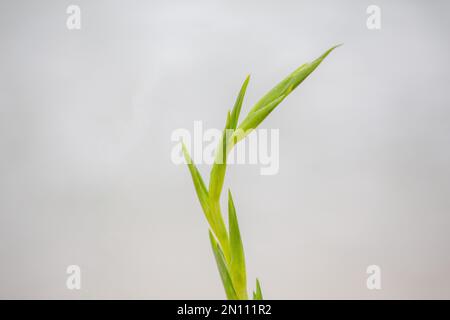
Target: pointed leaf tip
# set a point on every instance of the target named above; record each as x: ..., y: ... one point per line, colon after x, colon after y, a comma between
x: 278, y: 93
x: 238, y: 104
x: 199, y: 185
x: 237, y: 265
x: 257, y: 295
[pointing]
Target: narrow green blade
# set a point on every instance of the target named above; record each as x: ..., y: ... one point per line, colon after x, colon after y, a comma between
x: 273, y: 98
x: 219, y: 167
x: 253, y: 120
x: 237, y: 266
x: 218, y: 170
x: 200, y: 188
x: 216, y: 180
x: 291, y: 82
x: 238, y: 104
x: 223, y: 270
x: 257, y: 295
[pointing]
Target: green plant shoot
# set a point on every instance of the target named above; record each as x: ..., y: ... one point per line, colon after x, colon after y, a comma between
x: 226, y: 242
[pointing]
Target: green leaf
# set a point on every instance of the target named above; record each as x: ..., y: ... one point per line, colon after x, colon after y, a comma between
x: 237, y: 265
x: 218, y: 170
x: 220, y: 230
x: 274, y: 97
x: 291, y: 82
x: 223, y: 270
x: 257, y: 295
x: 210, y: 209
x: 199, y: 185
x: 216, y: 180
x: 219, y: 167
x: 253, y: 120
x: 238, y: 104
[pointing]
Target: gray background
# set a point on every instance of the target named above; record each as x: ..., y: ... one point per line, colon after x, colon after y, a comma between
x: 86, y: 176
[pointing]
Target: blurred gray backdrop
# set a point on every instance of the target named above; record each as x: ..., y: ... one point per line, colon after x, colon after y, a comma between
x: 86, y: 176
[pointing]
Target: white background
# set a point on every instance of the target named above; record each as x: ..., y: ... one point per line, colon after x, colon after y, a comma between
x: 86, y: 176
